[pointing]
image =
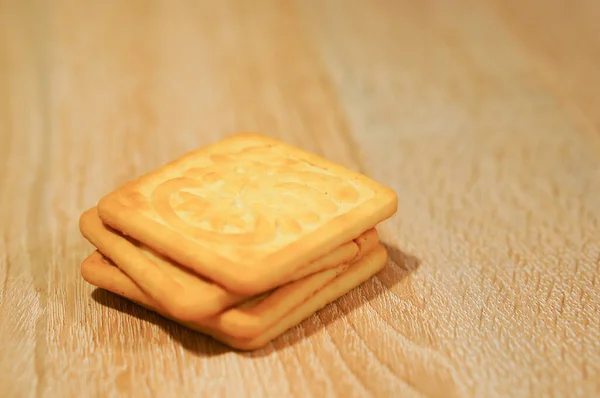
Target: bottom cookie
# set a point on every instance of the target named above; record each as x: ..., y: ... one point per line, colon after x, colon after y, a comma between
x: 99, y: 272
x: 197, y: 297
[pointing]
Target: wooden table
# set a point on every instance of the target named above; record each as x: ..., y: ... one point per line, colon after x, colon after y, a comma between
x: 484, y: 116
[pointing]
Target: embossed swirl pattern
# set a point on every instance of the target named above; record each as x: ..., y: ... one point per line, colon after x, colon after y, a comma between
x: 246, y: 197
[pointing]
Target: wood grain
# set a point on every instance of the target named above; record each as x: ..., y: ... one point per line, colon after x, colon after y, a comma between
x: 482, y: 115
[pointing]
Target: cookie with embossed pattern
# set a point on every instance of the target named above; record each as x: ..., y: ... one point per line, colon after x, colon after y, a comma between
x: 177, y: 290
x: 101, y: 272
x: 247, y: 211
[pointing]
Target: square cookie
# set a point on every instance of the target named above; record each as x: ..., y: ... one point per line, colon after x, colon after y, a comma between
x: 247, y: 211
x: 180, y: 292
x: 100, y: 272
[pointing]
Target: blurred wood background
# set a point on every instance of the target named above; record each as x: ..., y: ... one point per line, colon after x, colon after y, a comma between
x: 484, y: 116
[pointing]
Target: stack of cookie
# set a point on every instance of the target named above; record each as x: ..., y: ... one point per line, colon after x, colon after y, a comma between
x: 242, y: 239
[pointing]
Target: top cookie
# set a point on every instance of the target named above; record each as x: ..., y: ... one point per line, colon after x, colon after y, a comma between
x: 247, y: 211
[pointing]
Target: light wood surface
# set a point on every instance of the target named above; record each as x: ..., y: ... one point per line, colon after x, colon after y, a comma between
x: 484, y: 116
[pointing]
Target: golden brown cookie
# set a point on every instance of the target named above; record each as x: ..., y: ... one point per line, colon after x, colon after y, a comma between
x: 247, y: 211
x: 324, y: 287
x: 179, y: 291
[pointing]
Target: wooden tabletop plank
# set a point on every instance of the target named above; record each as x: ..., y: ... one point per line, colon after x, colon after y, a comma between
x: 483, y: 121
x: 482, y: 157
